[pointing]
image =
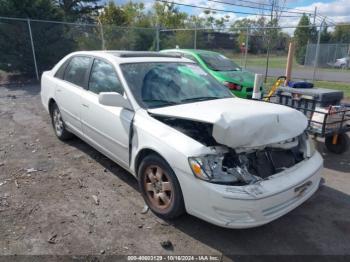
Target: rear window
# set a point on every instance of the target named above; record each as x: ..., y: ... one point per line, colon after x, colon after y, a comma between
x: 60, y: 72
x: 219, y: 62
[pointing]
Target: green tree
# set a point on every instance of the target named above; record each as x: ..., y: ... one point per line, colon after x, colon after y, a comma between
x: 49, y: 38
x: 167, y: 15
x: 240, y: 27
x: 325, y: 35
x: 302, y: 34
x: 141, y: 34
x: 79, y: 10
x: 35, y: 9
x: 112, y: 14
x: 112, y: 17
x: 217, y: 24
x: 258, y: 36
x: 115, y: 19
x: 341, y: 33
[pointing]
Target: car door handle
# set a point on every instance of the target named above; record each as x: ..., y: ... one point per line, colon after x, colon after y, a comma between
x: 59, y: 90
x: 85, y: 105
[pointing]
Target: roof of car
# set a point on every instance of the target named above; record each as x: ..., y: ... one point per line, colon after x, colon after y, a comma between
x: 134, y: 56
x: 142, y: 54
x: 195, y: 51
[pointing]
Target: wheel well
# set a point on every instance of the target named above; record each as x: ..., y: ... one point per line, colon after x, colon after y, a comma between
x: 141, y: 155
x: 51, y: 103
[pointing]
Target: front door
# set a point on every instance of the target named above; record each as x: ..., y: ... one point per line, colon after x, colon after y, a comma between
x: 106, y: 127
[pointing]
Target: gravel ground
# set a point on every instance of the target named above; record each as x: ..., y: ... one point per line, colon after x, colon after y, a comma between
x: 48, y: 193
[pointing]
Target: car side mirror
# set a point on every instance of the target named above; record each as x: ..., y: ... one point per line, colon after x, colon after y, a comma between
x: 114, y: 99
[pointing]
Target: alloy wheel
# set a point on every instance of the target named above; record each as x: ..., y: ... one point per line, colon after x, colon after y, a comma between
x: 58, y: 122
x: 158, y: 187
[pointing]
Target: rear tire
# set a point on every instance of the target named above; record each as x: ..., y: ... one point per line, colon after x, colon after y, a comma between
x: 58, y: 124
x: 160, y: 188
x: 341, y: 146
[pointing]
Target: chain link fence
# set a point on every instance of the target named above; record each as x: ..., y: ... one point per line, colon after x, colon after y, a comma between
x: 29, y: 47
x: 265, y: 51
x: 328, y: 55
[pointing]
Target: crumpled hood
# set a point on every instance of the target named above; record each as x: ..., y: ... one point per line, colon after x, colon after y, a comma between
x: 241, y: 123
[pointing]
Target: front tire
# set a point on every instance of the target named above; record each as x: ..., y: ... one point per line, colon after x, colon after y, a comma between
x: 58, y: 125
x: 342, y: 144
x: 160, y: 188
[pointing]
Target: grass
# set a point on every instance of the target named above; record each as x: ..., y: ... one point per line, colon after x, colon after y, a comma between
x: 345, y: 87
x: 275, y: 61
x: 280, y: 62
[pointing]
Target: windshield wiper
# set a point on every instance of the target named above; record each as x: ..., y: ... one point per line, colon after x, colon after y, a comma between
x: 164, y: 102
x: 200, y: 98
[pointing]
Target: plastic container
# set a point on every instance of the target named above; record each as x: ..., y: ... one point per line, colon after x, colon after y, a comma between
x: 323, y: 97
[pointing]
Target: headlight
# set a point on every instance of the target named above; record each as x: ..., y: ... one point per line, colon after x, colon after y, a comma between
x: 211, y: 169
x: 307, y: 145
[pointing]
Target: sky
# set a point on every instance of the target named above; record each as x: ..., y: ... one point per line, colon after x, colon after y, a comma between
x: 334, y: 10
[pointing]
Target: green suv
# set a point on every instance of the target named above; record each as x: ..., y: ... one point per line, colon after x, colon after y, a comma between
x: 239, y: 81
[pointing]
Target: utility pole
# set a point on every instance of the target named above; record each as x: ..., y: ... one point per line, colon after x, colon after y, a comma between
x: 315, y: 13
x: 317, y: 49
x: 268, y: 41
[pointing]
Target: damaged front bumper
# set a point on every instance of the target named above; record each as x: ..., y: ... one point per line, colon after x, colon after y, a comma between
x: 256, y: 204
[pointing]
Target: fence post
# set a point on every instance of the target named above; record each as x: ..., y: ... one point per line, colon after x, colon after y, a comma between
x: 102, y: 35
x: 33, y: 49
x: 157, y: 38
x: 246, y: 47
x: 195, y: 36
x: 335, y: 53
x: 317, y: 51
x: 267, y: 55
x: 306, y: 58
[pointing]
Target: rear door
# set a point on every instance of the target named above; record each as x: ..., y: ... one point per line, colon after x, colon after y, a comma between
x: 69, y: 89
x: 106, y: 127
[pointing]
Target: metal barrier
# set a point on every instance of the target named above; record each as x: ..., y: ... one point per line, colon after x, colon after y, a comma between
x: 30, y: 46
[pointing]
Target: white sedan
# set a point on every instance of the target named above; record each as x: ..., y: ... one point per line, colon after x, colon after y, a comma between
x: 191, y: 145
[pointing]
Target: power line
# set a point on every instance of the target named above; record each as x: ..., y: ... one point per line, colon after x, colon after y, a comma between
x: 320, y: 17
x: 247, y: 6
x: 276, y: 6
x: 218, y: 10
x: 252, y: 2
x: 280, y: 10
x: 257, y: 7
x: 243, y: 28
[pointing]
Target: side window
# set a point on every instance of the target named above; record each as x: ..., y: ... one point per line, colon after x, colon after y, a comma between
x: 103, y: 78
x: 76, y: 70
